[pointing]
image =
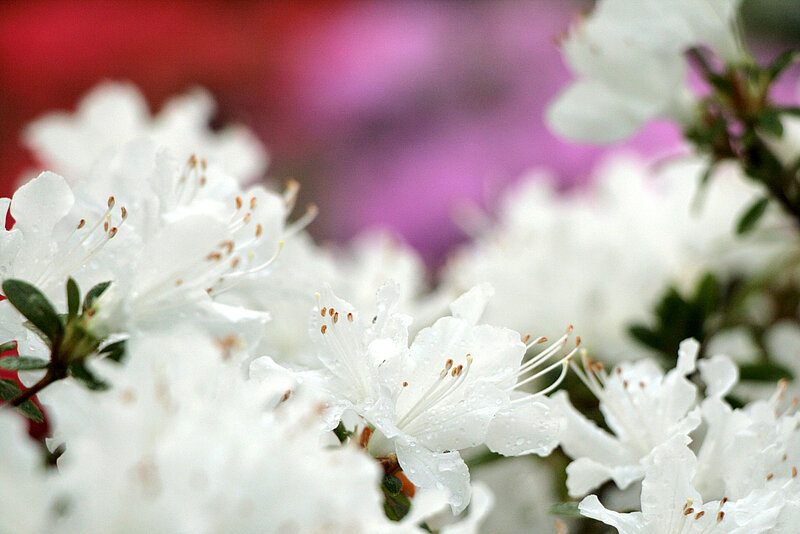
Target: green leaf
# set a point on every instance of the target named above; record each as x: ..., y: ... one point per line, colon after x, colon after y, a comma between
x: 342, y: 433
x: 392, y: 484
x: 707, y: 295
x: 115, y: 351
x: 395, y: 506
x: 762, y: 372
x: 10, y: 389
x: 752, y: 215
x: 94, y: 294
x: 32, y: 327
x: 7, y: 346
x: 780, y: 63
x: 83, y: 375
x: 770, y: 122
x: 565, y: 509
x: 23, y: 363
x: 73, y: 298
x: 645, y: 336
x: 35, y: 307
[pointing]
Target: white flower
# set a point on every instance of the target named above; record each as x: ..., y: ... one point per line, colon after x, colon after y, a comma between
x: 26, y: 498
x: 643, y: 407
x: 600, y: 257
x: 628, y: 58
x: 755, y: 447
x: 355, y: 272
x: 671, y: 505
x: 436, y: 397
x: 183, y: 444
x: 114, y: 114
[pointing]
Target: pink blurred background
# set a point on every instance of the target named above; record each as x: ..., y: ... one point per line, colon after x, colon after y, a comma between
x: 387, y: 113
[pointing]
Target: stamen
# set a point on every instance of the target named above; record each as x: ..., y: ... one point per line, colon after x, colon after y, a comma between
x: 302, y: 222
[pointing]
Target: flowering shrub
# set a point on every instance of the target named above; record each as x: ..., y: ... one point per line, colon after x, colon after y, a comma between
x: 205, y: 366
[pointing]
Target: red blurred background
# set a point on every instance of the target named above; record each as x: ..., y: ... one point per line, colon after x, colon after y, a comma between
x: 387, y: 113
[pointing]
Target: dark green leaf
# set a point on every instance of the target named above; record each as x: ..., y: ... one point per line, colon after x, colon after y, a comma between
x: 764, y: 372
x: 7, y: 346
x: 645, y: 336
x: 342, y: 433
x: 32, y: 327
x: 780, y: 63
x: 23, y: 363
x: 392, y: 484
x: 94, y: 294
x: 35, y: 307
x: 770, y: 122
x: 83, y: 375
x: 10, y: 389
x: 565, y: 509
x: 73, y: 298
x: 395, y: 506
x: 707, y: 295
x: 752, y: 215
x: 114, y: 351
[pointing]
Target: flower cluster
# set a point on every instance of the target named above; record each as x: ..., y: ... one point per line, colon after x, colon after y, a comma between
x: 202, y: 365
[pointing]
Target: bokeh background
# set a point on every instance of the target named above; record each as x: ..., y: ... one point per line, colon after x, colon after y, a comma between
x: 389, y: 113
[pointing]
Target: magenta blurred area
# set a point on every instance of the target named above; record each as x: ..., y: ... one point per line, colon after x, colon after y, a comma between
x: 389, y: 114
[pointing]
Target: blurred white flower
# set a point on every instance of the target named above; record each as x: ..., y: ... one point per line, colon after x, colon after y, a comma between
x: 599, y: 258
x: 181, y: 443
x: 26, y: 498
x: 629, y: 61
x: 113, y: 114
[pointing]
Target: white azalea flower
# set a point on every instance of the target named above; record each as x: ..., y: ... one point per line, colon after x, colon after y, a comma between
x: 436, y: 397
x: 591, y: 284
x: 628, y: 58
x: 643, y: 407
x: 755, y: 447
x: 26, y: 497
x: 181, y: 443
x: 114, y: 114
x: 671, y: 505
x: 48, y: 243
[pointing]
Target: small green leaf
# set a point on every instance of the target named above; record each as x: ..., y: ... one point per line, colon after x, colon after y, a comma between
x: 114, y: 351
x: 762, y: 372
x: 780, y: 63
x: 83, y: 375
x: 7, y: 346
x: 73, y: 298
x: 395, y: 506
x: 23, y: 363
x: 94, y: 294
x: 645, y: 336
x: 32, y: 327
x: 752, y: 215
x: 10, y: 389
x: 35, y: 307
x: 708, y: 293
x: 392, y: 484
x: 770, y: 122
x: 565, y: 509
x: 342, y: 433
